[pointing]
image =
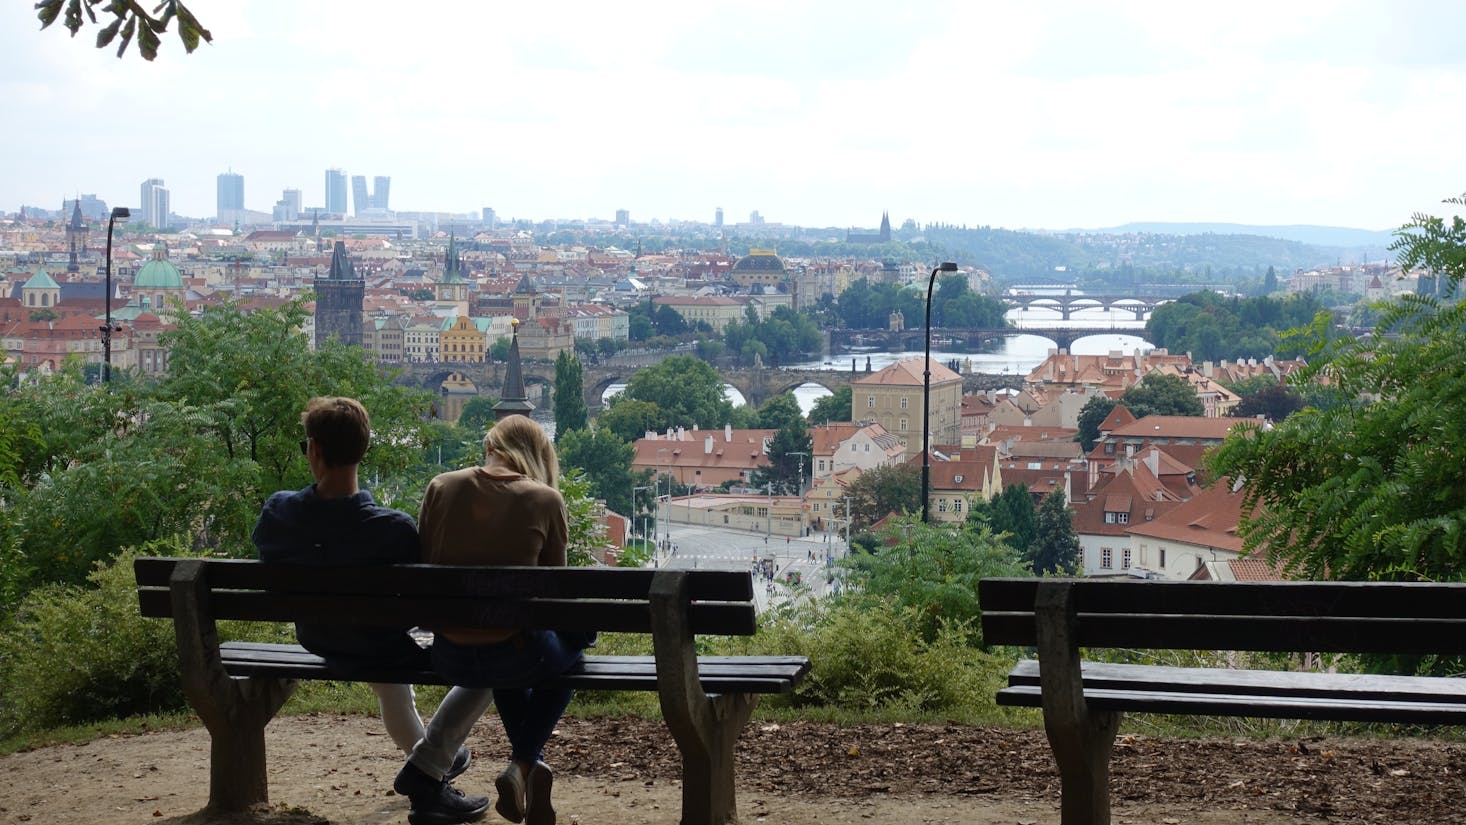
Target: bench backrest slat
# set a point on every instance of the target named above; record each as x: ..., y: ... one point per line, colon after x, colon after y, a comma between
x: 1342, y: 617
x: 431, y: 580
x: 466, y: 597
x: 627, y: 616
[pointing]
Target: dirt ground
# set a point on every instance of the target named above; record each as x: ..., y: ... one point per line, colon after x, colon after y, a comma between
x: 339, y: 769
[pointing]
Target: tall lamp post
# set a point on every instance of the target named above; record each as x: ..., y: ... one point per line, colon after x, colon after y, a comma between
x: 926, y: 396
x: 117, y: 212
x: 634, y: 490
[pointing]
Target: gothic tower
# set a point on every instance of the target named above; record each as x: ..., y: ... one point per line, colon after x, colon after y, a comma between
x: 885, y: 227
x: 76, y: 236
x: 338, y: 301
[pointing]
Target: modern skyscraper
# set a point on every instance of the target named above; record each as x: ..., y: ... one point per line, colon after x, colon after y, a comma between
x: 491, y: 218
x: 339, y: 300
x: 336, y: 191
x: 718, y: 217
x: 360, y: 200
x: 153, y: 205
x: 623, y: 217
x: 231, y: 196
x: 381, y: 189
x: 288, y: 207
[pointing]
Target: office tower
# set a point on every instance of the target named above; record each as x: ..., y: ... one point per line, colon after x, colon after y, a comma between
x: 360, y: 200
x: 623, y: 217
x: 381, y: 188
x: 491, y: 218
x: 336, y: 191
x: 288, y: 207
x: 718, y: 217
x: 339, y: 299
x: 153, y: 205
x: 231, y: 196
x: 291, y: 197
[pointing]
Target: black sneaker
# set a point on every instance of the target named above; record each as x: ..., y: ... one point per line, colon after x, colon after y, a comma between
x: 461, y: 761
x: 435, y: 801
x: 538, y: 810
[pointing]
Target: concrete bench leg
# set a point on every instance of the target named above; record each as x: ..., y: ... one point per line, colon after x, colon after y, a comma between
x: 235, y: 711
x: 1081, y: 739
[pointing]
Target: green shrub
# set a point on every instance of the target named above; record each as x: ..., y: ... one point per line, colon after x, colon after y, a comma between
x: 74, y: 654
x: 871, y: 657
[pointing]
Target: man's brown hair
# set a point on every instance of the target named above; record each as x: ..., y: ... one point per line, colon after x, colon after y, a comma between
x: 340, y: 427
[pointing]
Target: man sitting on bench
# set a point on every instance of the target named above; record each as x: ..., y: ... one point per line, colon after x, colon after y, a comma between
x: 335, y: 522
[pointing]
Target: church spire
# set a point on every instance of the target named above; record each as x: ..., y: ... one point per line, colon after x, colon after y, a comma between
x: 516, y: 400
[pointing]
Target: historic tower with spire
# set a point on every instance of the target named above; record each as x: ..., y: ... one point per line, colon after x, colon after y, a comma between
x: 76, y: 237
x: 339, y: 300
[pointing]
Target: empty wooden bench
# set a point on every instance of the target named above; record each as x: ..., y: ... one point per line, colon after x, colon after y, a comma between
x: 1083, y: 701
x: 236, y: 688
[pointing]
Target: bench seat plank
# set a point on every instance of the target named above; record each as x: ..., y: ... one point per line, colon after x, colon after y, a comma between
x: 718, y: 674
x: 1277, y: 707
x: 1354, y: 686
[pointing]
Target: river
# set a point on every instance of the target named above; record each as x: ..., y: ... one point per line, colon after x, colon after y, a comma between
x: 1012, y: 355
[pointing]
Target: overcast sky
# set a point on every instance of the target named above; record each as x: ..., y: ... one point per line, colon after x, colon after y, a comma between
x: 1042, y: 115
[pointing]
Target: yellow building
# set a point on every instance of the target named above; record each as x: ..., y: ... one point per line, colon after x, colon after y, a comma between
x: 461, y: 341
x: 893, y: 398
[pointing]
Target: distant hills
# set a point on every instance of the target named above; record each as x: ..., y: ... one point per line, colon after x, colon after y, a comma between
x: 1335, y: 236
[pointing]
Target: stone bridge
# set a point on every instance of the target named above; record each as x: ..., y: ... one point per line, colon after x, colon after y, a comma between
x: 1068, y: 304
x: 843, y: 342
x: 758, y: 384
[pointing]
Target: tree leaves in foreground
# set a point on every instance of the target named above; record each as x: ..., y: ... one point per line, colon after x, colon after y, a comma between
x: 130, y: 19
x: 1376, y: 488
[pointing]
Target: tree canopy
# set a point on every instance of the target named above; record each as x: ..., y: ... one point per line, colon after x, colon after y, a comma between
x: 1161, y: 395
x: 686, y: 391
x: 833, y: 407
x: 880, y: 491
x: 569, y: 401
x: 1374, y: 488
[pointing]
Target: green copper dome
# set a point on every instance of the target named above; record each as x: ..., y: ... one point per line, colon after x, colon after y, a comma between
x: 159, y: 273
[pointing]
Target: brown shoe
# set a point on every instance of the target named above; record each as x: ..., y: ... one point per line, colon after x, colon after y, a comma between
x: 539, y: 810
x: 510, y: 785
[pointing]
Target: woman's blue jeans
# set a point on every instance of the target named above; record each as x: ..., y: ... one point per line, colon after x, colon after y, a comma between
x: 504, y: 674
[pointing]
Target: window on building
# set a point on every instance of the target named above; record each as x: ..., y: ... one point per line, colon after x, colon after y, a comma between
x: 1125, y: 559
x: 1107, y: 558
x: 903, y: 425
x: 1162, y: 553
x: 1109, y: 518
x: 1122, y: 518
x: 957, y: 505
x: 941, y: 505
x: 870, y: 401
x: 903, y: 402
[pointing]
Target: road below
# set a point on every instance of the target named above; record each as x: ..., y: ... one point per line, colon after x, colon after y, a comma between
x: 785, y: 568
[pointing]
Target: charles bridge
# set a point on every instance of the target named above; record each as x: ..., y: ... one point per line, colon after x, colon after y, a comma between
x: 758, y: 384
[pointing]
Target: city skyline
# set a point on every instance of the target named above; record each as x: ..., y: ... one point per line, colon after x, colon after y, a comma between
x: 812, y: 114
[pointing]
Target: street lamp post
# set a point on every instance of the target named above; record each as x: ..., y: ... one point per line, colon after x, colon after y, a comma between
x: 926, y: 396
x: 634, y: 489
x: 117, y: 212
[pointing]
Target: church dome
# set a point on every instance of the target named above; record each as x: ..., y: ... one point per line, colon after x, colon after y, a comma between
x: 159, y: 273
x: 759, y: 260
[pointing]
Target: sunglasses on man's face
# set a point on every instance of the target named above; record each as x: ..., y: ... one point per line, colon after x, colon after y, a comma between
x: 304, y: 442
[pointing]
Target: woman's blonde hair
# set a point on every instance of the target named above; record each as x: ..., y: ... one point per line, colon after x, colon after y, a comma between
x: 523, y: 445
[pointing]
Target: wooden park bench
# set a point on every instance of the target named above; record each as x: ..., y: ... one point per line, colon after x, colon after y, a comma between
x: 236, y: 688
x: 1083, y: 701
